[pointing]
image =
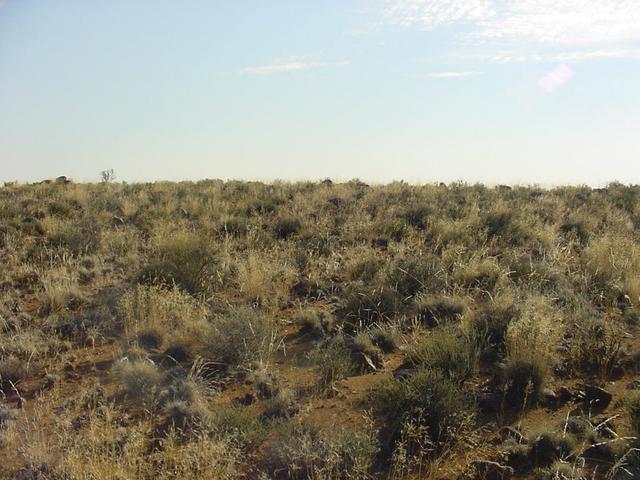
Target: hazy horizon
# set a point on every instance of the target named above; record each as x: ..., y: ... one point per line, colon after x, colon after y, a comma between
x: 492, y: 91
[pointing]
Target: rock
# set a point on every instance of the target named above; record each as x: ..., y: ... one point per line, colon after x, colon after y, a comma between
x: 117, y: 221
x: 488, y: 470
x: 633, y: 362
x: 594, y: 397
x: 549, y: 398
x: 248, y: 399
x: 564, y: 395
x: 544, y: 450
x: 490, y: 402
x: 517, y: 457
x: 512, y: 433
x: 633, y: 385
x: 404, y: 373
x: 382, y: 243
x: 600, y: 453
x: 617, y: 372
x: 576, y: 425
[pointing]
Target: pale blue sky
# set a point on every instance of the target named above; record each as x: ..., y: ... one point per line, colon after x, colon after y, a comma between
x: 498, y: 91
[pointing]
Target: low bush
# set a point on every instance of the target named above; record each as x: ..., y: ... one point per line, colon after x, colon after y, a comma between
x: 238, y: 425
x: 150, y: 338
x: 283, y: 404
x: 182, y: 420
x: 364, y: 353
x: 303, y: 452
x: 532, y: 345
x: 364, y: 269
x: 363, y: 306
x: 522, y: 383
x: 447, y: 351
x: 437, y: 310
x: 241, y: 336
x: 7, y: 415
x: 185, y: 260
x: 482, y: 275
x: 333, y: 358
x: 409, y: 275
x: 488, y: 325
x: 141, y: 380
x: 286, y: 226
x: 316, y: 322
x: 632, y: 407
x: 596, y: 345
x: 60, y: 293
x: 385, y: 336
x: 422, y: 414
x: 12, y: 372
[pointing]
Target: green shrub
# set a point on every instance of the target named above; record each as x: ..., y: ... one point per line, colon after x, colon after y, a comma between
x: 489, y: 325
x: 522, y: 383
x: 412, y: 274
x: 12, y: 372
x: 423, y: 413
x: 141, y: 380
x: 483, y: 275
x: 239, y: 337
x: 283, y: 404
x: 597, y: 345
x: 304, y: 452
x: 287, y: 226
x: 446, y: 351
x: 185, y: 260
x: 364, y: 269
x: 417, y: 215
x: 316, y: 322
x: 632, y: 406
x: 333, y: 357
x: 150, y: 338
x: 236, y: 424
x: 183, y: 420
x: 434, y: 310
x: 364, y: 305
x: 365, y: 354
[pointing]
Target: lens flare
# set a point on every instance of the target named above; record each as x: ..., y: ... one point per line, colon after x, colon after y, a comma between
x: 556, y: 78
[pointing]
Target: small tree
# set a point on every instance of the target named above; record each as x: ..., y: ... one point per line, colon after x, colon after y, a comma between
x: 107, y: 176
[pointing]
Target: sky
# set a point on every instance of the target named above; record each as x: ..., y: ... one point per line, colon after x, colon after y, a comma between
x: 497, y: 91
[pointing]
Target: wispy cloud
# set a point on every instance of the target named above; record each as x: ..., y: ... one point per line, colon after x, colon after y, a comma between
x: 433, y: 13
x: 289, y: 66
x: 448, y: 74
x: 569, y: 29
x: 570, y: 56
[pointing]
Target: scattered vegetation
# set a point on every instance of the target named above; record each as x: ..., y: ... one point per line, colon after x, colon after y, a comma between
x: 318, y: 331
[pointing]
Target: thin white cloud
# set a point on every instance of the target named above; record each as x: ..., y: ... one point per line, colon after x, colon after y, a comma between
x: 565, y: 22
x: 448, y: 74
x: 595, y: 28
x: 289, y: 66
x: 433, y: 13
x: 570, y: 56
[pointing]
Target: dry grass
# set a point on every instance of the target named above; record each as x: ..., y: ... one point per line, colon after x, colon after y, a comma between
x: 137, y: 322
